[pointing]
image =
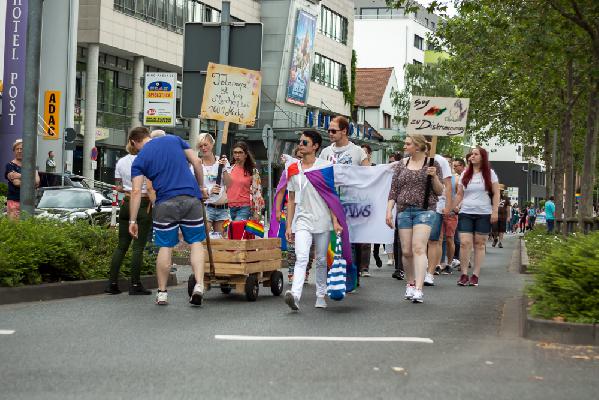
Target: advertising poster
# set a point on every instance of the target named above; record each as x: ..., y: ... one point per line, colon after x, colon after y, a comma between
x: 437, y: 116
x: 301, y: 59
x: 231, y: 94
x: 160, y: 100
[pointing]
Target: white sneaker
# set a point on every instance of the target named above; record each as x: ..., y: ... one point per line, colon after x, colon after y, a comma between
x: 455, y: 263
x: 418, y: 296
x: 389, y: 262
x: 429, y: 280
x: 291, y: 301
x: 162, y: 298
x: 409, y: 291
x: 197, y: 295
x: 320, y: 303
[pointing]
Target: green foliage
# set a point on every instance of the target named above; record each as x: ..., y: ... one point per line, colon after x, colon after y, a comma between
x: 36, y: 250
x: 349, y: 90
x: 538, y: 241
x: 3, y: 189
x: 566, y: 282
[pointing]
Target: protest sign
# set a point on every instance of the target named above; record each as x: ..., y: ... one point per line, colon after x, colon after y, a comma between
x: 437, y: 116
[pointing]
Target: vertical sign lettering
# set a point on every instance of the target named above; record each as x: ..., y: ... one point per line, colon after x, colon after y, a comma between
x: 51, y: 115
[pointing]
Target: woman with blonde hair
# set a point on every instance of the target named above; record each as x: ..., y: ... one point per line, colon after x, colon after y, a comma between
x: 214, y: 191
x: 415, y: 196
x: 122, y: 175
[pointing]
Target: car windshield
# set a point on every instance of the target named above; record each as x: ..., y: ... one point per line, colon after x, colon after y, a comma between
x: 66, y: 199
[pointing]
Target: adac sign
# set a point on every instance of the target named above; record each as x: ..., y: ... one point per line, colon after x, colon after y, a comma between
x: 52, y: 115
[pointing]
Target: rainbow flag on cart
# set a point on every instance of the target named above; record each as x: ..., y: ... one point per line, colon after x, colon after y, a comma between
x: 255, y: 228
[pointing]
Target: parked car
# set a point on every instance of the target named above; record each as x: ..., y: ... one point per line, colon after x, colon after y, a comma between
x: 74, y: 204
x: 56, y: 179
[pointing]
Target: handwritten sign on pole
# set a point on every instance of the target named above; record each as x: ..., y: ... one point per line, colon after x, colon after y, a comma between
x: 437, y: 116
x: 231, y: 94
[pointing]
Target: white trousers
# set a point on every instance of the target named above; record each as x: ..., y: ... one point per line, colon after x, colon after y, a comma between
x: 303, y: 242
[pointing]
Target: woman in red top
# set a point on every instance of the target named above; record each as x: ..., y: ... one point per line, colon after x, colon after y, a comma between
x: 244, y: 188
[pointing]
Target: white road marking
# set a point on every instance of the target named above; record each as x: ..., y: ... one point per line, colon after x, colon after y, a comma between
x: 323, y: 338
x: 6, y: 332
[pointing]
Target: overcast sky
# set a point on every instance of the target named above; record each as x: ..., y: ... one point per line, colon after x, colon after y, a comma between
x: 450, y: 8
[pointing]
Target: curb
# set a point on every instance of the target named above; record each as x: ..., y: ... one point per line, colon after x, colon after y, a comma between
x: 70, y: 289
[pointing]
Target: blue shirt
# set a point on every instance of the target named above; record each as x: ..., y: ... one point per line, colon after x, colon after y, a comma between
x: 162, y: 160
x: 549, y: 210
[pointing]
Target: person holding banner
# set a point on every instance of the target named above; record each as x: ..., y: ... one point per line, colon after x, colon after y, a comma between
x: 217, y: 209
x: 415, y: 210
x: 310, y: 220
x: 478, y: 194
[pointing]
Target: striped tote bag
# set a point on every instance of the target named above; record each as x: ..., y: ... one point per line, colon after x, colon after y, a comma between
x: 337, y: 273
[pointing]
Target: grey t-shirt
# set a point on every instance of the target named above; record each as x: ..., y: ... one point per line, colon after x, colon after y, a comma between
x: 350, y: 154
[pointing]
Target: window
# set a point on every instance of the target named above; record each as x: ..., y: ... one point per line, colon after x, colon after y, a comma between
x: 327, y: 72
x: 430, y: 46
x: 418, y: 42
x: 386, y: 121
x: 333, y: 25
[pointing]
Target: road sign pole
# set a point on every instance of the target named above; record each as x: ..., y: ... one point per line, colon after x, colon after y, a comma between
x: 225, y: 30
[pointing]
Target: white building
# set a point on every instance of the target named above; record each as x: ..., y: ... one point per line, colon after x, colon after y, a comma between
x: 386, y: 37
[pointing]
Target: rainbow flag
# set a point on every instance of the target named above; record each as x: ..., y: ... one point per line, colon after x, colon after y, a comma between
x: 331, y: 249
x: 226, y: 224
x: 255, y: 227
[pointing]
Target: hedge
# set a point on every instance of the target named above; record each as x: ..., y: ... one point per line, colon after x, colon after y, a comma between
x: 37, y: 251
x: 566, y: 276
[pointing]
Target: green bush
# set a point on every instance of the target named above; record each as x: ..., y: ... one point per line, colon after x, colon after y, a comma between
x: 538, y: 241
x: 566, y: 280
x: 37, y: 250
x: 3, y: 189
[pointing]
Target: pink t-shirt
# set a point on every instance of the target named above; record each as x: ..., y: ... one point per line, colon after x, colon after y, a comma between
x: 238, y: 191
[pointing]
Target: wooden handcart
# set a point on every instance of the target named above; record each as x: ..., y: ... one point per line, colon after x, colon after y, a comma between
x: 242, y: 265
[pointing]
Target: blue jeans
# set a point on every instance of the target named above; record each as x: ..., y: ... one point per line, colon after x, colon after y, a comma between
x: 241, y: 213
x: 411, y: 216
x: 550, y: 225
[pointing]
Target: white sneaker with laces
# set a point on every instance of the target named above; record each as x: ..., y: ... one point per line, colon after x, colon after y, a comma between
x: 418, y: 296
x: 291, y: 301
x: 320, y: 302
x: 197, y: 295
x: 429, y: 280
x: 455, y: 263
x: 162, y: 298
x: 409, y: 291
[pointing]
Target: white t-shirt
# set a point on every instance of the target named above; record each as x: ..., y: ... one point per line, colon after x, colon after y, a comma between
x: 350, y: 154
x: 311, y: 212
x: 123, y: 172
x: 445, y: 173
x: 476, y: 198
x: 210, y: 174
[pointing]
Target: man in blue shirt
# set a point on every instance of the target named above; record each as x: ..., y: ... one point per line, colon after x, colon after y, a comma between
x: 550, y: 214
x: 165, y: 162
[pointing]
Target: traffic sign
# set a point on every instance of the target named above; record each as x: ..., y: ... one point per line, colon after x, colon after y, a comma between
x: 94, y: 154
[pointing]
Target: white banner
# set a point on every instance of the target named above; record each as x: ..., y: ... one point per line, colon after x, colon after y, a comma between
x: 160, y: 99
x: 437, y: 116
x: 364, y: 192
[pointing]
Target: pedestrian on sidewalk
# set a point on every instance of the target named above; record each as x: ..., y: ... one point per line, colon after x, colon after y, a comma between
x: 165, y: 162
x: 217, y: 209
x: 12, y: 173
x: 122, y: 178
x: 459, y: 165
x: 550, y: 214
x: 310, y: 221
x: 503, y: 213
x: 478, y: 193
x: 415, y: 210
x: 244, y: 187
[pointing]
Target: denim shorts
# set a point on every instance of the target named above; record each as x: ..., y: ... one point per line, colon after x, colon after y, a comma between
x: 415, y: 216
x: 217, y: 214
x: 242, y: 213
x: 474, y: 223
x: 436, y: 226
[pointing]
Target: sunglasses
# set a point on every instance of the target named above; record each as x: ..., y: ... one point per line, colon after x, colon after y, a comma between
x: 304, y: 142
x: 239, y: 152
x: 333, y: 130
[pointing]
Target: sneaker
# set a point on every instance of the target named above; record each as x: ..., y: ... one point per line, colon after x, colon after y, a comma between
x: 162, y: 298
x: 112, y: 288
x: 463, y: 280
x: 437, y: 270
x: 418, y: 296
x: 389, y: 262
x: 399, y: 275
x: 473, y: 280
x: 495, y: 242
x: 409, y: 291
x: 365, y: 273
x: 291, y: 301
x: 320, y: 303
x: 197, y: 295
x: 500, y: 245
x: 447, y: 270
x: 455, y: 263
x: 138, y: 289
x: 429, y: 280
x: 378, y: 261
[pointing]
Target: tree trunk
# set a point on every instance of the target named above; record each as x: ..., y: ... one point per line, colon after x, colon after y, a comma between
x: 547, y: 158
x: 567, y: 139
x: 590, y: 154
x: 558, y: 187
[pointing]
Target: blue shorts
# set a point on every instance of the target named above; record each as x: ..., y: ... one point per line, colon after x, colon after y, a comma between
x: 415, y: 216
x: 242, y: 213
x: 436, y: 227
x: 183, y: 212
x: 217, y: 214
x: 474, y: 223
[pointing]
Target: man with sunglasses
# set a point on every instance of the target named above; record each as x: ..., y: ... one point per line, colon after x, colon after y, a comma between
x: 341, y: 150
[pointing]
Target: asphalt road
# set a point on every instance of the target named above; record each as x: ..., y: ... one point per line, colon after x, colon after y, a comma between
x: 113, y: 347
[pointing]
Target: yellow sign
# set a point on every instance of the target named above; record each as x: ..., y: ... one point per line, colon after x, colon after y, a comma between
x: 231, y: 94
x: 52, y: 115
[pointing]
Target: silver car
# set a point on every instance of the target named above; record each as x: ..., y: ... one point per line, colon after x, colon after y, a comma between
x: 71, y: 204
